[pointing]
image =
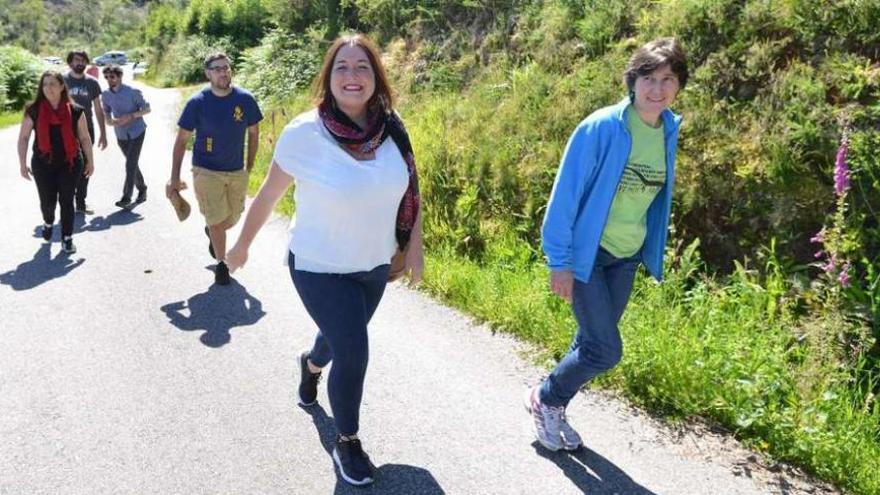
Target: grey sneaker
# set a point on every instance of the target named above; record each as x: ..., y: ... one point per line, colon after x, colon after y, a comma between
x: 547, y: 420
x: 570, y: 438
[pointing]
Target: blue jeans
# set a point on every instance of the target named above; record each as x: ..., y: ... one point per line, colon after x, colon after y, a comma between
x: 341, y: 305
x: 596, y: 347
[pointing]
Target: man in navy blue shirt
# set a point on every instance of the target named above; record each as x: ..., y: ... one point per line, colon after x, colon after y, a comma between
x: 220, y: 115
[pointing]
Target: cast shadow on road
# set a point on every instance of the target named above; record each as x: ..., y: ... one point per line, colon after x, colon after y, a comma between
x: 592, y: 473
x: 216, y: 312
x: 41, y: 269
x: 391, y: 479
x: 95, y: 223
x: 99, y: 223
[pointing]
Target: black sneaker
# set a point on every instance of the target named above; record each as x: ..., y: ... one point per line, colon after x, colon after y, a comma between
x: 210, y: 245
x: 124, y: 203
x: 67, y: 245
x: 353, y: 463
x: 308, y: 382
x: 84, y: 208
x: 221, y: 274
x: 47, y: 232
x: 141, y: 197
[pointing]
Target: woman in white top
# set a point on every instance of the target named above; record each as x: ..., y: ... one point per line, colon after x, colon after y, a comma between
x: 357, y: 206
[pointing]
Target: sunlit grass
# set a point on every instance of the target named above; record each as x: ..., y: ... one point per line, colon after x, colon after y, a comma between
x: 10, y: 118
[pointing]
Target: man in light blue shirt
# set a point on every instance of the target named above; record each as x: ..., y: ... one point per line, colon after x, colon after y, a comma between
x: 125, y: 107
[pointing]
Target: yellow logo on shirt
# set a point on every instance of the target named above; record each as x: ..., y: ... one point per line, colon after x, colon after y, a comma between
x: 237, y: 114
x: 209, y: 144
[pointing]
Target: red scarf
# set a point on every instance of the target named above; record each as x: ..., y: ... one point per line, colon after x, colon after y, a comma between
x: 380, y: 125
x: 63, y: 116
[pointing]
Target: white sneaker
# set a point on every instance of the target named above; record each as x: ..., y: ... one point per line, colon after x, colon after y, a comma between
x: 547, y: 420
x: 570, y: 438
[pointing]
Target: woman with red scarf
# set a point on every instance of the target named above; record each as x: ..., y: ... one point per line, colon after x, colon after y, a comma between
x: 357, y: 207
x: 62, y: 137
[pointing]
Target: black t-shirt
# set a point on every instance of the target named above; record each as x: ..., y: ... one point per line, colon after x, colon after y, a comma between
x: 55, y: 132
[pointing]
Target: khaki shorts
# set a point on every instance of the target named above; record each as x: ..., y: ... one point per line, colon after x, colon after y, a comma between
x: 220, y: 194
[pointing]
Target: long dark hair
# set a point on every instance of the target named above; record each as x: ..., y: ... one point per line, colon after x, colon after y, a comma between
x: 65, y: 98
x: 382, y: 99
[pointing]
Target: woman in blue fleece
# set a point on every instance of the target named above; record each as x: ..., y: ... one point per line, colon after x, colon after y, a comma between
x: 608, y: 213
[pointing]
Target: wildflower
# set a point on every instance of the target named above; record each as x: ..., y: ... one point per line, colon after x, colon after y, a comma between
x: 843, y: 276
x: 819, y: 238
x: 841, y: 171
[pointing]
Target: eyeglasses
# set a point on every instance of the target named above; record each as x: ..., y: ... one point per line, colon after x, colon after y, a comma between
x: 220, y: 68
x: 109, y: 76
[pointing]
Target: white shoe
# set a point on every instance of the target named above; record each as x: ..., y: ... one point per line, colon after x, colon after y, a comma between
x: 547, y: 420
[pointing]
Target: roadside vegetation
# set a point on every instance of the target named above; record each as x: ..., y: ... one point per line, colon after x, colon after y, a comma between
x: 767, y: 322
x: 769, y: 318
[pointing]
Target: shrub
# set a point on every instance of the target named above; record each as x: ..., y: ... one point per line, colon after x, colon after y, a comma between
x: 19, y: 73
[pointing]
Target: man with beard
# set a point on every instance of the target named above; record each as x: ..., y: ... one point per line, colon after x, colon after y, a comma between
x: 220, y: 115
x: 125, y: 108
x: 85, y: 91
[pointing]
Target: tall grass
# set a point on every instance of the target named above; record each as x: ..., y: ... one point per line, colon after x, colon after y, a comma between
x: 10, y: 118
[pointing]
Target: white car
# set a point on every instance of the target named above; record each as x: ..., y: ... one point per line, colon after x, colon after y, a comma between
x: 52, y: 60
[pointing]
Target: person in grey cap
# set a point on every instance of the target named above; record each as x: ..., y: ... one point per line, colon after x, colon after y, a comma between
x: 125, y: 108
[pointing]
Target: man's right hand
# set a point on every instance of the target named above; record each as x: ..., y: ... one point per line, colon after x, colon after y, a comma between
x: 174, y: 185
x: 562, y: 283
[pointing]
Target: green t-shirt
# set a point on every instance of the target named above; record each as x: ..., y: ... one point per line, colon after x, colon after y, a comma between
x: 643, y: 177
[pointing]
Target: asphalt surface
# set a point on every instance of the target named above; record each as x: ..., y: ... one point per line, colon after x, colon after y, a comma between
x: 123, y: 369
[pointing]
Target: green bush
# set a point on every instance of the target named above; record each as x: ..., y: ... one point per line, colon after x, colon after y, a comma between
x: 19, y: 74
x: 280, y: 66
x: 182, y: 63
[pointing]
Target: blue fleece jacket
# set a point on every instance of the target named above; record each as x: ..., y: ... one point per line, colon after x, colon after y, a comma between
x: 591, y: 169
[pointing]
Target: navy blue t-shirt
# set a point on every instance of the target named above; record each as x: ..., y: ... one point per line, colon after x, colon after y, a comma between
x: 220, y: 124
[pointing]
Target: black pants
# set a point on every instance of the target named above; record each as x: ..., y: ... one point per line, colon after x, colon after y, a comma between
x: 131, y: 148
x: 82, y: 184
x: 55, y: 185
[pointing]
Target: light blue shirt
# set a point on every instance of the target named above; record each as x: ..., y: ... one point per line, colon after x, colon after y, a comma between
x: 124, y: 101
x: 591, y: 169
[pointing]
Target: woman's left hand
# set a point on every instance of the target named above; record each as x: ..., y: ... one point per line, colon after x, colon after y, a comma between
x: 88, y: 169
x: 414, y: 265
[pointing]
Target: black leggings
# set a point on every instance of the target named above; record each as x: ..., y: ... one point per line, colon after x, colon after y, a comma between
x: 56, y: 184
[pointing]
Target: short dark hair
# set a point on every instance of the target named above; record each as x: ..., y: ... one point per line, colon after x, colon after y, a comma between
x: 383, y: 97
x: 74, y: 53
x: 113, y: 69
x: 216, y: 56
x: 652, y: 56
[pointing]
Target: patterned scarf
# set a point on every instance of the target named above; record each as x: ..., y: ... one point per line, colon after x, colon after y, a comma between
x: 380, y: 125
x: 46, y: 117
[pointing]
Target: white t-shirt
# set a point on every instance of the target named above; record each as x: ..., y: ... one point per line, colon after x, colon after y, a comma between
x: 346, y: 209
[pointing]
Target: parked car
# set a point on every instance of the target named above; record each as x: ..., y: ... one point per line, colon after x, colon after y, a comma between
x: 52, y: 60
x: 112, y: 57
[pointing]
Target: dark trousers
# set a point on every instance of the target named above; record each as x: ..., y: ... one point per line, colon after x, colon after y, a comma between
x: 82, y: 183
x: 131, y: 148
x: 342, y: 305
x: 55, y: 185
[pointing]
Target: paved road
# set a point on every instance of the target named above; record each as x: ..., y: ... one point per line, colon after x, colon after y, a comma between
x: 124, y: 370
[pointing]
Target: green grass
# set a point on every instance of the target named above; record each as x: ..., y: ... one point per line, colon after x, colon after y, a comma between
x: 10, y: 118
